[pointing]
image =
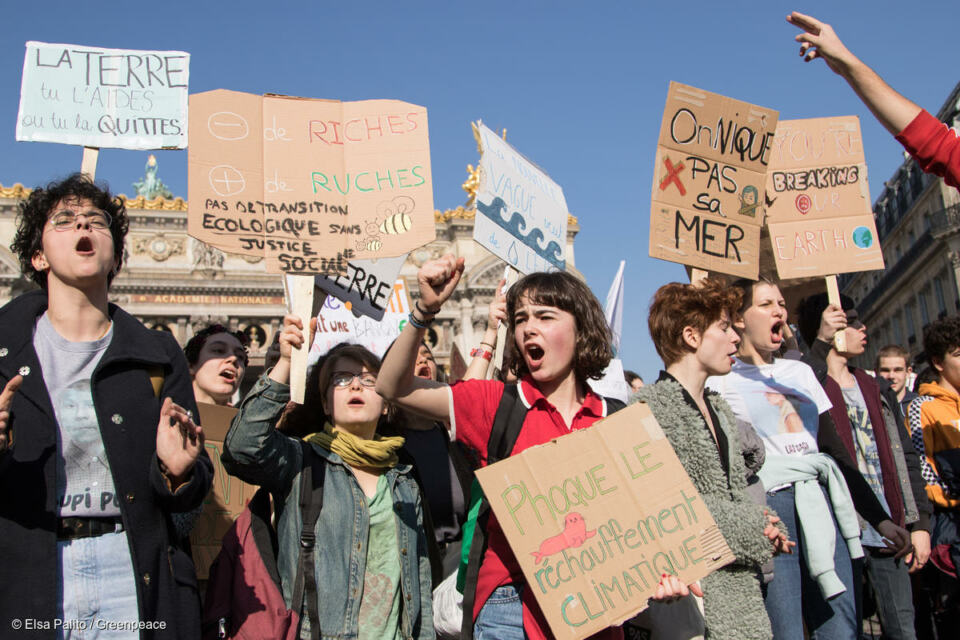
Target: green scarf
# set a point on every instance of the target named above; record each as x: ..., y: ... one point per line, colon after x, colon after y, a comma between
x: 379, y: 453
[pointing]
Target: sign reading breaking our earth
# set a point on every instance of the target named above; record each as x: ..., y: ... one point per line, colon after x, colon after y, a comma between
x: 820, y: 220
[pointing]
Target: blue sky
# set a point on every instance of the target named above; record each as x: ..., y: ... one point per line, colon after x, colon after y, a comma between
x: 579, y: 86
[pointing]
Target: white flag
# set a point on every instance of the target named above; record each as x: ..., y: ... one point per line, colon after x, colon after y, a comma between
x: 614, y: 308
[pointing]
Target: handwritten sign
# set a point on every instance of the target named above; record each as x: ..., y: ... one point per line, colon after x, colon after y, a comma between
x: 597, y: 516
x: 96, y: 97
x: 709, y: 179
x: 337, y: 323
x: 521, y: 212
x: 228, y: 497
x: 309, y: 184
x: 820, y: 221
x: 368, y: 285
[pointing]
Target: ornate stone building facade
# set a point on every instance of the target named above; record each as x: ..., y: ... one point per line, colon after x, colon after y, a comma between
x: 175, y: 283
x: 918, y: 223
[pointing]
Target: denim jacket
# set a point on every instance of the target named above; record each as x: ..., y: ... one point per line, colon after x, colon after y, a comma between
x: 257, y: 453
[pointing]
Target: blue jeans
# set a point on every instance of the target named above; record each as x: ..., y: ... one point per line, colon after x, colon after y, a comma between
x: 97, y: 587
x: 501, y: 617
x: 894, y: 594
x: 793, y: 597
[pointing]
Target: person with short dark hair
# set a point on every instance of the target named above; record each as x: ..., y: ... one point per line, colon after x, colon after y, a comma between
x: 98, y: 446
x: 558, y: 340
x: 692, y: 329
x: 218, y: 359
x: 868, y: 418
x: 372, y: 568
x: 634, y: 380
x: 893, y: 365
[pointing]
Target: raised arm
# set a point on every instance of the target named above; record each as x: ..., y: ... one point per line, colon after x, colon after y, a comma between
x: 819, y: 40
x: 479, y: 365
x: 437, y: 280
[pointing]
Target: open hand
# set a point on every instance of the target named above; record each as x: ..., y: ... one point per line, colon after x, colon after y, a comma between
x: 179, y: 441
x: 819, y: 40
x: 781, y: 542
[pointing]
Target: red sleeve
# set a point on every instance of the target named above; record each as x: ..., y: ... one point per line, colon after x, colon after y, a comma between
x: 934, y: 146
x: 475, y: 404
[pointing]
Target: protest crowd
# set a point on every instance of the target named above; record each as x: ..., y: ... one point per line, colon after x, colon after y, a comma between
x: 834, y: 482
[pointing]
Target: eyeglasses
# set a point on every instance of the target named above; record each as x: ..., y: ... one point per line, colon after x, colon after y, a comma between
x: 66, y: 219
x: 343, y: 379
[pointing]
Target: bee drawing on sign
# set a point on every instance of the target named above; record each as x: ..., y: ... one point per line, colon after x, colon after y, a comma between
x: 396, y: 220
x: 396, y: 216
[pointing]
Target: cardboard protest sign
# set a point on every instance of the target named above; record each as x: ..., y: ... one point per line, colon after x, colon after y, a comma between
x: 596, y: 517
x: 708, y: 181
x: 820, y: 221
x: 521, y: 213
x: 97, y: 97
x: 228, y: 497
x: 368, y: 285
x: 309, y: 184
x: 337, y: 323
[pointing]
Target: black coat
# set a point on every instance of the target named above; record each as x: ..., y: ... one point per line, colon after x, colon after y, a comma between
x: 128, y: 412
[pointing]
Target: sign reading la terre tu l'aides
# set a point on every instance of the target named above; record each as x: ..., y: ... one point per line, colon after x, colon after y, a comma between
x: 309, y: 184
x: 521, y: 212
x: 708, y: 181
x: 97, y: 97
x: 820, y: 221
x: 596, y: 517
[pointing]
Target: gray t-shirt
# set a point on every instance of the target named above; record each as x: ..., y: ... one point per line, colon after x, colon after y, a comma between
x: 84, y: 481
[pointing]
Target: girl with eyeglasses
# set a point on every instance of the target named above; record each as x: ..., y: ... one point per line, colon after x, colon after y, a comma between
x: 371, y: 563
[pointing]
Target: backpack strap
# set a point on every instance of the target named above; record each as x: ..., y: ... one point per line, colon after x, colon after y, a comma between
x: 311, y: 502
x: 507, y: 424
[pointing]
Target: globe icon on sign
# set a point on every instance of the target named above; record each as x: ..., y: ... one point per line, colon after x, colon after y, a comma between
x: 863, y: 237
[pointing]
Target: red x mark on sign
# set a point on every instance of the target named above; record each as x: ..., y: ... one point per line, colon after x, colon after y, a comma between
x: 673, y: 175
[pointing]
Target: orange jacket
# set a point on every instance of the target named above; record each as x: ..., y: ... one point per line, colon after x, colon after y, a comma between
x: 940, y: 420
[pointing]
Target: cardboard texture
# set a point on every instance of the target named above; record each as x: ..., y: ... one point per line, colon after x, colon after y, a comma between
x: 595, y: 517
x: 521, y: 213
x: 336, y: 323
x: 322, y: 182
x: 820, y: 220
x: 709, y: 180
x: 229, y: 495
x: 366, y: 287
x: 97, y: 97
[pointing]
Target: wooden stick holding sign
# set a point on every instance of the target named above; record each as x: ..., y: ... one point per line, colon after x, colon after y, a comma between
x: 304, y: 302
x: 833, y: 297
x: 88, y: 166
x: 696, y: 275
x: 510, y: 275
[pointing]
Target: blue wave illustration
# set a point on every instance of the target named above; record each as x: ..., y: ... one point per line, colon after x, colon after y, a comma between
x: 517, y: 225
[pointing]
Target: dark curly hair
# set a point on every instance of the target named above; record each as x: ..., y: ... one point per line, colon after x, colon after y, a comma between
x: 677, y: 305
x: 940, y: 338
x: 35, y: 212
x: 195, y: 344
x: 309, y: 417
x: 561, y: 290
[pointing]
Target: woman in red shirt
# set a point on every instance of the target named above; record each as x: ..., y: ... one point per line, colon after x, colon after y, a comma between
x: 557, y: 341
